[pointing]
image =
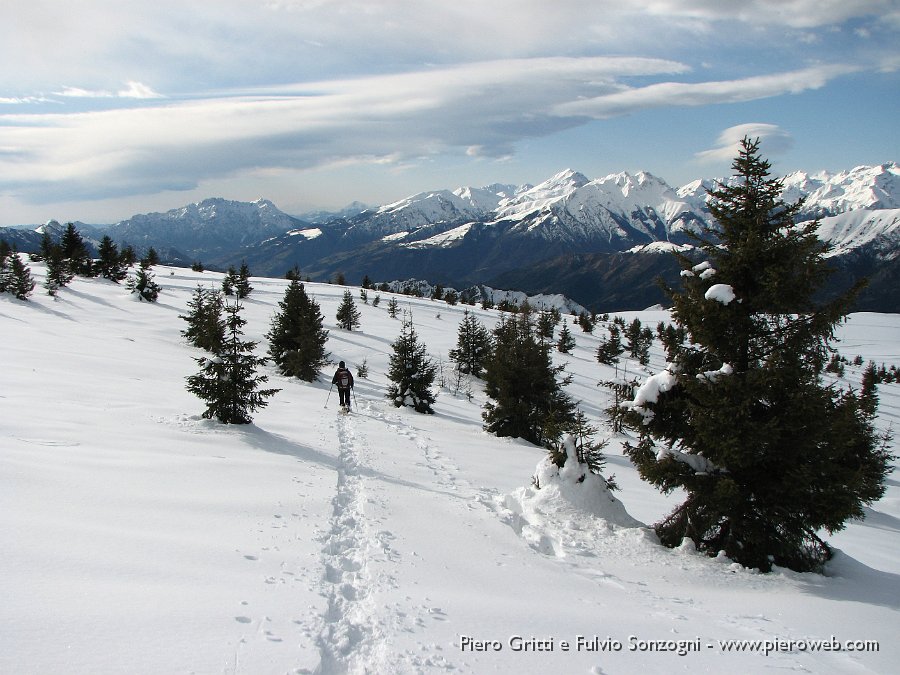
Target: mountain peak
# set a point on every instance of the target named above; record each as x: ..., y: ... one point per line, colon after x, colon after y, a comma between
x: 566, y: 178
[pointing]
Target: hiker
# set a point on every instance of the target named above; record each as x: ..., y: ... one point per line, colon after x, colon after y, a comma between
x: 343, y: 378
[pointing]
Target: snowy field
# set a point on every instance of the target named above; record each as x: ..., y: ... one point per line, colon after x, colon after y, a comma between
x: 139, y: 538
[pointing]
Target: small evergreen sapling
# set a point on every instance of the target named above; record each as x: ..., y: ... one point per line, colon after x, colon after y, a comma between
x: 297, y: 337
x: 59, y: 272
x: 143, y: 283
x: 411, y: 371
x: 393, y: 307
x: 228, y: 381
x: 242, y: 287
x: 527, y: 401
x: 20, y: 283
x: 206, y: 325
x: 110, y: 264
x: 15, y: 276
x: 566, y: 342
x: 229, y: 280
x: 75, y: 251
x: 473, y: 345
x: 348, y: 315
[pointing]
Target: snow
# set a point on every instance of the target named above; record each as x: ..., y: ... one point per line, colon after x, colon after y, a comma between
x: 653, y: 386
x: 309, y: 233
x: 141, y: 538
x: 855, y: 229
x: 442, y: 240
x: 723, y: 293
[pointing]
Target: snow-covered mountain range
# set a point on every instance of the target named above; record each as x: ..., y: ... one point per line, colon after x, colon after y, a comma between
x: 502, y: 232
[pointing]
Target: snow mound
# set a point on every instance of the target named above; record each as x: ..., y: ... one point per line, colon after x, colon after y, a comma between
x: 571, y: 509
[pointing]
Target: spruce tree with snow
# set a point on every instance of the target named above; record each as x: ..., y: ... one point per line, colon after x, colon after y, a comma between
x: 206, y: 323
x: 15, y: 276
x: 59, y: 272
x: 473, y: 345
x: 297, y: 337
x: 347, y: 314
x: 527, y: 401
x: 767, y: 455
x: 18, y: 279
x: 587, y: 452
x: 228, y: 381
x: 411, y: 371
x: 143, y: 284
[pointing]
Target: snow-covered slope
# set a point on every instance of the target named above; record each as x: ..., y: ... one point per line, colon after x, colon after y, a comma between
x: 878, y: 230
x: 138, y: 537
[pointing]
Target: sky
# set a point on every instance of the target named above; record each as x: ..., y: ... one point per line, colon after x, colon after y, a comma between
x: 110, y: 108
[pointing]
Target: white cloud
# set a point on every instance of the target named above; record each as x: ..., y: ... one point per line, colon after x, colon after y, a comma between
x: 702, y: 93
x: 774, y: 140
x: 489, y: 106
x: 136, y: 90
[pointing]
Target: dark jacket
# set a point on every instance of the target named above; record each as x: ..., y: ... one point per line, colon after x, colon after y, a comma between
x: 343, y: 378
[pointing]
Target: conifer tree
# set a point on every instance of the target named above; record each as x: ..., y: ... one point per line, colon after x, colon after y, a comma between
x: 638, y: 341
x: 128, y: 256
x: 228, y: 381
x: 143, y: 283
x: 229, y: 280
x: 587, y: 322
x: 566, y: 342
x: 59, y: 272
x: 527, y: 400
x: 393, y: 307
x: 767, y: 455
x: 610, y: 348
x: 75, y: 251
x: 296, y: 337
x: 242, y: 287
x: 18, y: 281
x: 588, y: 452
x: 206, y: 324
x: 46, y: 246
x: 411, y: 371
x: 4, y: 266
x: 547, y: 322
x: 347, y: 314
x: 473, y: 345
x: 110, y: 264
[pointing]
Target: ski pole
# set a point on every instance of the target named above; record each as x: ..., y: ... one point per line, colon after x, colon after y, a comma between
x: 329, y: 394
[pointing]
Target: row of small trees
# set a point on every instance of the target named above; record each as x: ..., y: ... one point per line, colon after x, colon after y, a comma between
x: 69, y: 257
x: 515, y: 362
